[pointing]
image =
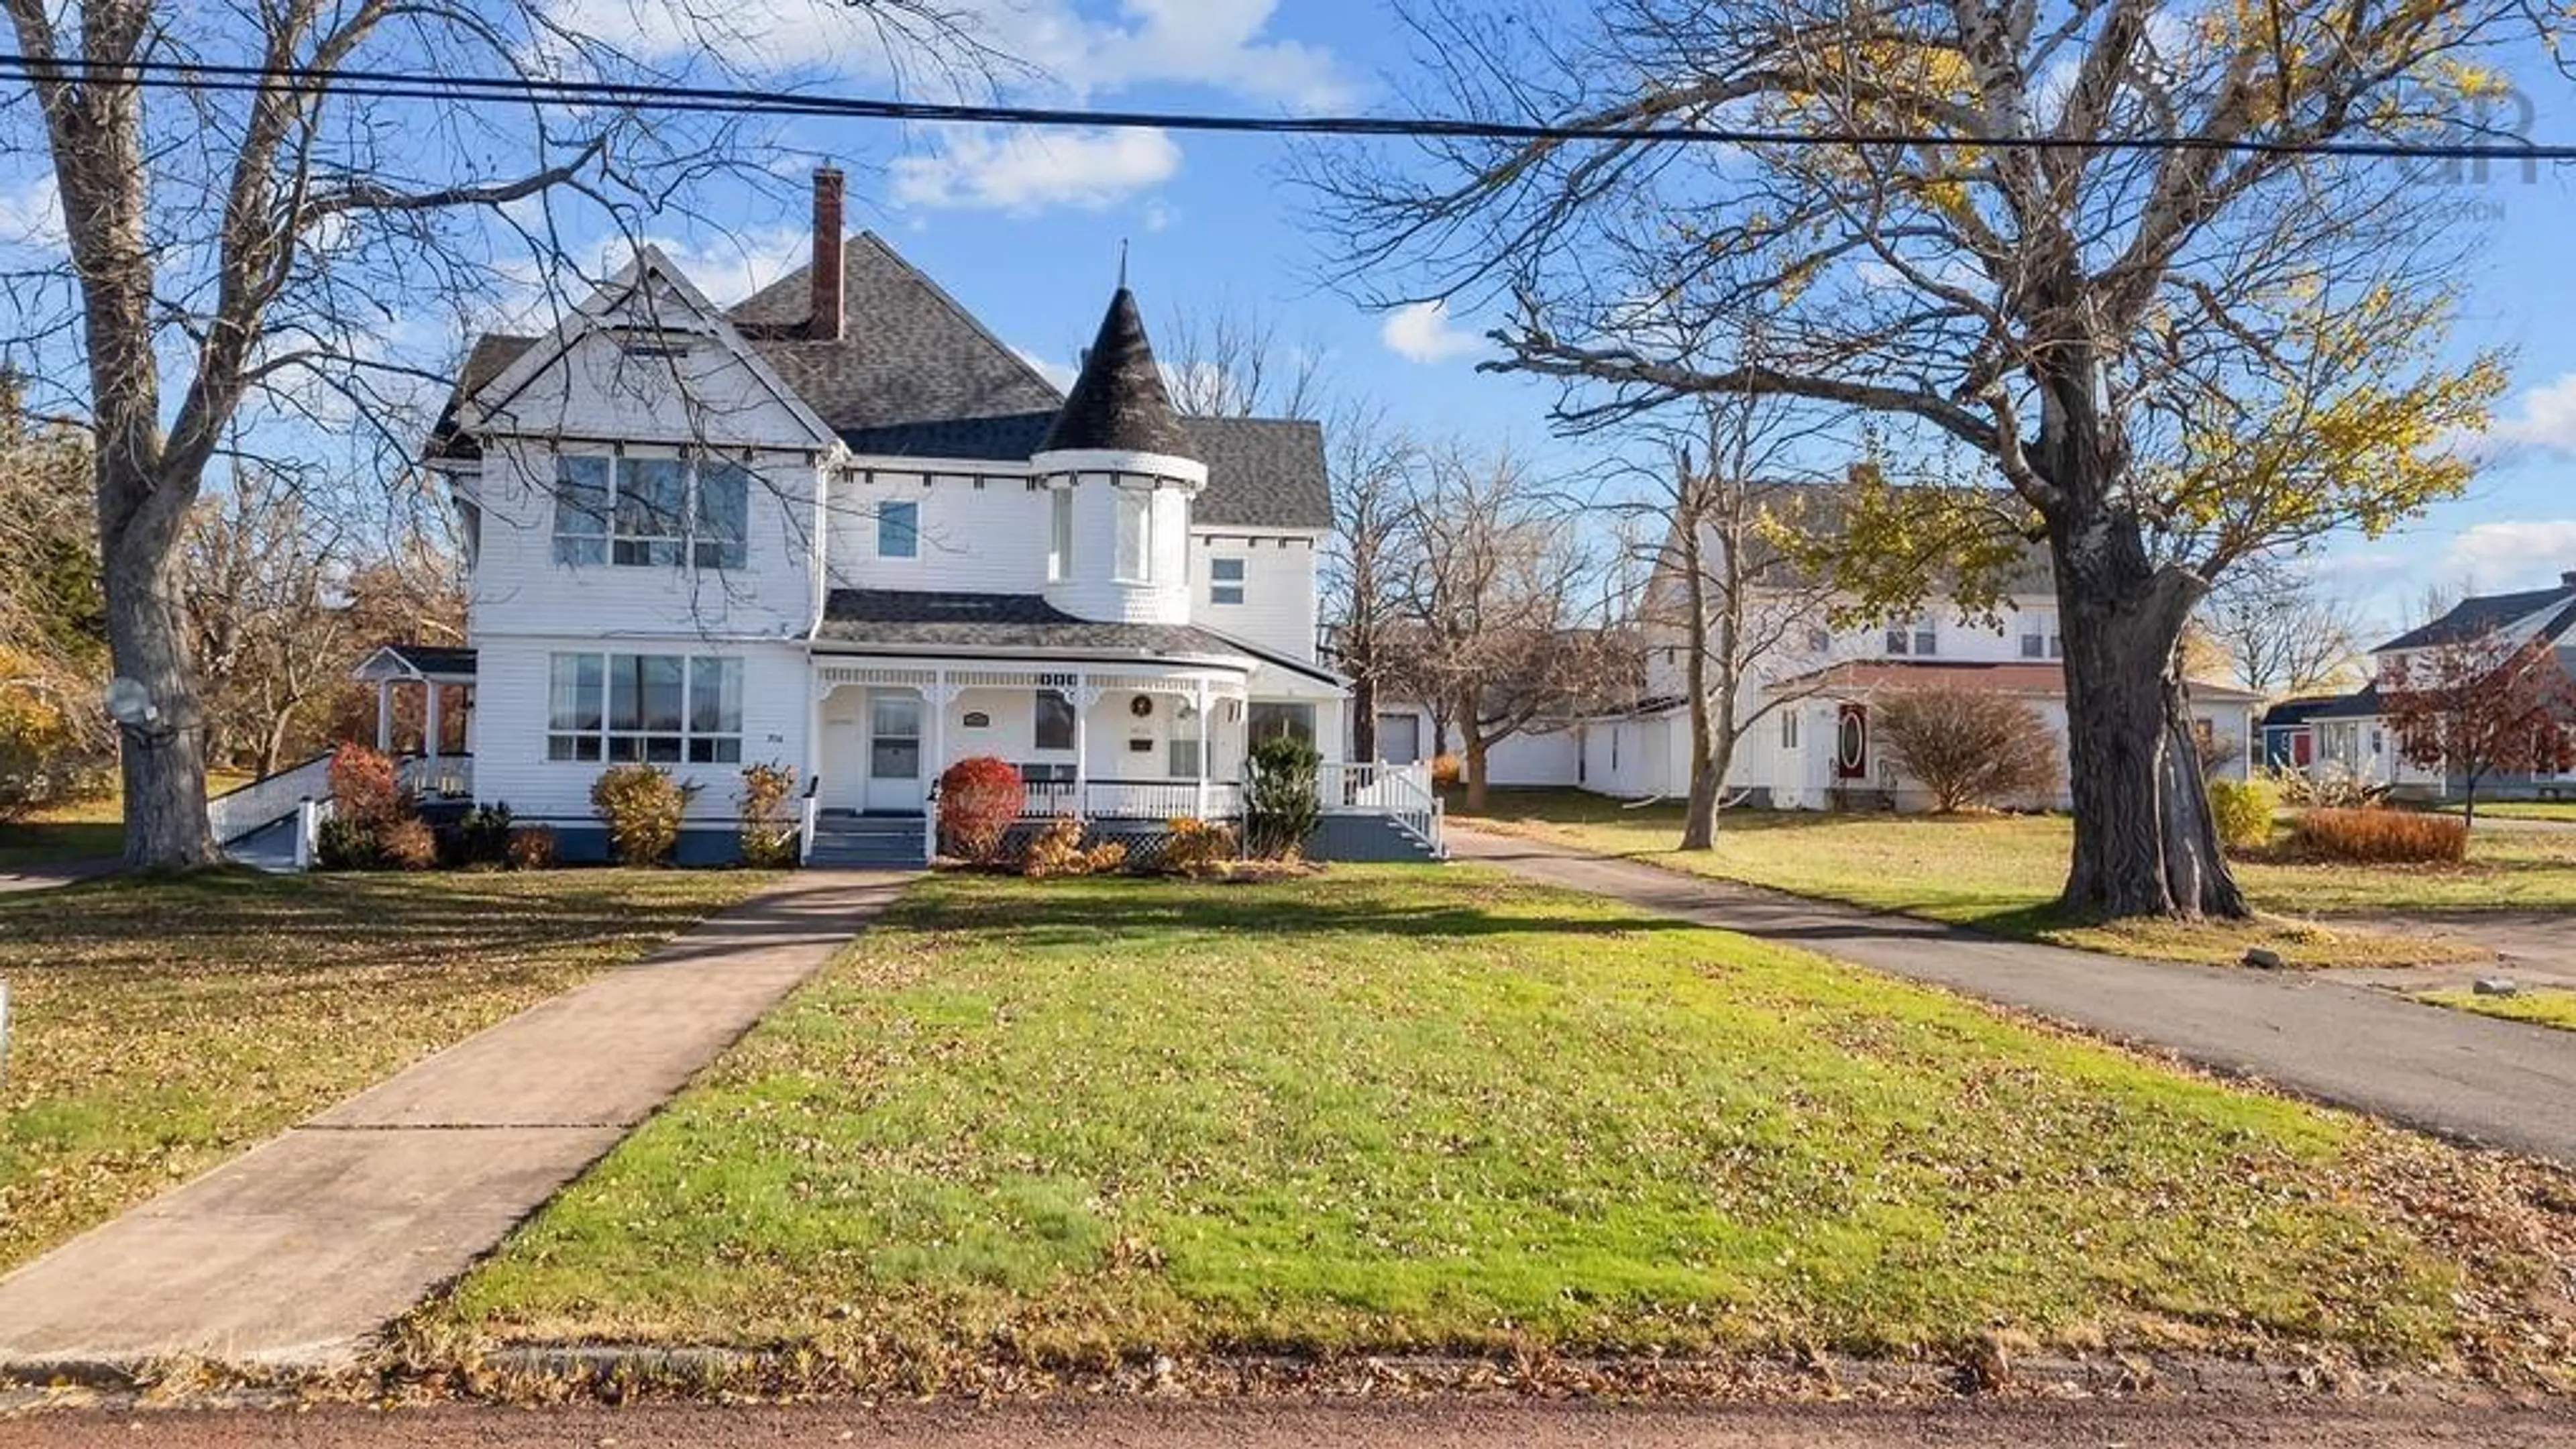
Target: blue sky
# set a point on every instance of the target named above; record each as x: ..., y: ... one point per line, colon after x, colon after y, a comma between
x: 1025, y: 228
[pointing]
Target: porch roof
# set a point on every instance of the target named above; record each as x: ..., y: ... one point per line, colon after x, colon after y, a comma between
x: 926, y: 621
x: 426, y: 662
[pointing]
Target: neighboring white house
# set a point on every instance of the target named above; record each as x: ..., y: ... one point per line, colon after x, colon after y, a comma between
x: 2348, y: 736
x: 1813, y: 746
x: 841, y: 526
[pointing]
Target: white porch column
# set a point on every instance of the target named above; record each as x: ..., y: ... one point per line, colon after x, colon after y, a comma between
x: 384, y: 716
x: 1084, y: 697
x: 936, y: 697
x: 429, y: 730
x: 1207, y: 743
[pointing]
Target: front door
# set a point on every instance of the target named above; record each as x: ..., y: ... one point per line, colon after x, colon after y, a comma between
x: 1851, y: 743
x: 894, y: 752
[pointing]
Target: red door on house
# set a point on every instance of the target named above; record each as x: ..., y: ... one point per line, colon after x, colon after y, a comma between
x: 1851, y: 743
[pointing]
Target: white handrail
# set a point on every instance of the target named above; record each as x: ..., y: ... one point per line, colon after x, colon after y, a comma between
x: 1402, y: 793
x: 810, y: 816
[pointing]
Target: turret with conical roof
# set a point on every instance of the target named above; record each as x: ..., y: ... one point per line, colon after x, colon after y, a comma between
x: 1118, y: 402
x: 1118, y: 465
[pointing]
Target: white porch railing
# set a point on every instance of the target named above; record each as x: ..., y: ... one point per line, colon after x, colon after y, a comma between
x: 449, y: 777
x: 1133, y: 799
x: 1400, y: 792
x: 265, y: 801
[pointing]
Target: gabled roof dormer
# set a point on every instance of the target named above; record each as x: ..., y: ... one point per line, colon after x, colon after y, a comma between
x: 648, y: 338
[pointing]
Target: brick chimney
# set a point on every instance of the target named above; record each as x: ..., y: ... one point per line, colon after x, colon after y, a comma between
x: 823, y: 319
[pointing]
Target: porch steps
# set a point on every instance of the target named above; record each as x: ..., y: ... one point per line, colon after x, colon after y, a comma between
x: 867, y: 842
x: 1380, y: 838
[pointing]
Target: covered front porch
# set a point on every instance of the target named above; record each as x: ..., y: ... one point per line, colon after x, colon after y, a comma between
x: 1098, y: 742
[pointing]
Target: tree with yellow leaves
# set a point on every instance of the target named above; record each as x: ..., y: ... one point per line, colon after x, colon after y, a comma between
x: 2082, y: 267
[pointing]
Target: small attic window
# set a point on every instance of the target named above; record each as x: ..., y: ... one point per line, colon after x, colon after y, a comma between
x: 657, y: 350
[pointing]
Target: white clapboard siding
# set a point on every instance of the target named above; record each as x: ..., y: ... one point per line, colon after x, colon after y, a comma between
x: 510, y: 718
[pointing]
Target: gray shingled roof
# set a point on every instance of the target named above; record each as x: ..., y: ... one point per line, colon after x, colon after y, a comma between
x: 1118, y: 401
x: 1262, y: 472
x: 918, y: 377
x: 2474, y: 617
x: 909, y: 619
x: 911, y: 353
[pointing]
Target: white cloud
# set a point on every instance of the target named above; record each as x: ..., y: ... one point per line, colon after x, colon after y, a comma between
x: 729, y: 269
x: 2544, y: 417
x: 31, y: 216
x: 1059, y: 373
x: 1420, y: 332
x: 1022, y: 170
x: 1220, y: 44
x: 2507, y: 554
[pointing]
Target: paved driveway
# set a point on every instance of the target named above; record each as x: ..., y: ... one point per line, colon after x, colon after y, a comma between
x: 2474, y: 1078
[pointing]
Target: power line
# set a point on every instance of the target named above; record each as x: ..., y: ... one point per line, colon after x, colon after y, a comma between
x: 538, y: 90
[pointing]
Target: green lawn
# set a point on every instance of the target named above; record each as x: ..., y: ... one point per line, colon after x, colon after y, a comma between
x: 161, y: 1026
x: 91, y: 830
x: 2560, y: 810
x: 2548, y: 1007
x: 2001, y: 873
x: 1396, y: 1109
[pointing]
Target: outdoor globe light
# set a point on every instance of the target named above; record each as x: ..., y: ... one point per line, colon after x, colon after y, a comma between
x: 129, y: 703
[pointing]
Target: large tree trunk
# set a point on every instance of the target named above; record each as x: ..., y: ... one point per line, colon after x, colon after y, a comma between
x: 2145, y: 842
x: 163, y: 763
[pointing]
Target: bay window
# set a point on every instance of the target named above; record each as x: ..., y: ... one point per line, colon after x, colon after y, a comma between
x: 653, y: 708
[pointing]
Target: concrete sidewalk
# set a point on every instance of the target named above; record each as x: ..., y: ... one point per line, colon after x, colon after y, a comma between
x: 55, y: 873
x: 2474, y: 1078
x: 298, y: 1251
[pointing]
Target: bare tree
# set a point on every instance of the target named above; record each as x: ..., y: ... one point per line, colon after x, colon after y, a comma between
x: 2284, y: 631
x: 1369, y: 559
x: 1969, y: 746
x: 267, y: 613
x: 1733, y: 516
x: 1974, y: 232
x: 1229, y: 362
x: 1493, y: 621
x: 258, y: 230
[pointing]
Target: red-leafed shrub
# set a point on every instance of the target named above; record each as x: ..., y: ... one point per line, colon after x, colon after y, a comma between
x: 366, y: 787
x: 2381, y: 836
x: 979, y: 798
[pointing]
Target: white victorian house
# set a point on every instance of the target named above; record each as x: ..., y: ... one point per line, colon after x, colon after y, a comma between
x: 841, y: 526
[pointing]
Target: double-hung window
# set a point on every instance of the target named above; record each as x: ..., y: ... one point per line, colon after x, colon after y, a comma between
x: 1135, y: 559
x: 722, y: 537
x: 581, y: 508
x: 899, y: 530
x: 651, y: 511
x: 1189, y: 734
x: 1059, y: 535
x: 2040, y: 639
x: 1225, y: 581
x: 656, y: 708
x: 1915, y: 636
